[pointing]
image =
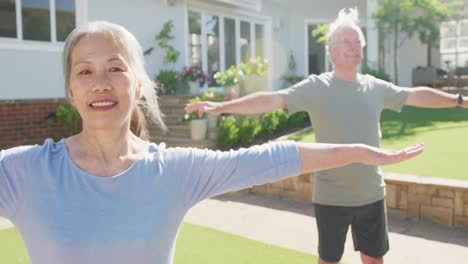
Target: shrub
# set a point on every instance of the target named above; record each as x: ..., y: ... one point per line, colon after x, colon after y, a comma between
x: 228, y: 133
x: 168, y: 79
x: 269, y: 123
x: 249, y: 128
x: 298, y: 119
x: 67, y: 115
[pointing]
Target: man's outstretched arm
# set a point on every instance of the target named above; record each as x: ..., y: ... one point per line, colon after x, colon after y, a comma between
x: 432, y: 98
x: 256, y: 103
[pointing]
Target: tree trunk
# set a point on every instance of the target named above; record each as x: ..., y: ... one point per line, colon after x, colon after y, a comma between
x: 429, y: 53
x: 395, y: 54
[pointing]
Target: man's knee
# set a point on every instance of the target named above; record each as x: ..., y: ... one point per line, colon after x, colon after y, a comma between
x: 321, y: 261
x: 370, y: 260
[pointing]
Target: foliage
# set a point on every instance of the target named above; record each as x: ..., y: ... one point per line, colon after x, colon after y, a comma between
x: 298, y: 119
x: 194, y: 74
x: 194, y: 115
x: 257, y: 66
x: 228, y: 133
x: 230, y: 77
x: 168, y: 81
x: 163, y: 39
x: 211, y: 96
x: 67, y: 115
x: 269, y: 123
x: 249, y: 128
x: 320, y: 33
x: 413, y: 16
x: 376, y: 73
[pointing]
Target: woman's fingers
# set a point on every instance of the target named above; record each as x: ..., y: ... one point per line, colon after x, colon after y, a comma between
x: 404, y: 154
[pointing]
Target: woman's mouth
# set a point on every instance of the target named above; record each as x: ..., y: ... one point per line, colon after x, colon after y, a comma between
x: 103, y: 105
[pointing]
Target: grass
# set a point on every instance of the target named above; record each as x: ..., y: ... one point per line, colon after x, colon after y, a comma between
x: 444, y: 132
x: 195, y: 245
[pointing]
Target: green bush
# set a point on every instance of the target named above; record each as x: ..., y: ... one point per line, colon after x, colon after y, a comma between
x: 67, y: 115
x: 298, y: 119
x: 376, y: 73
x: 249, y: 128
x: 282, y: 120
x: 228, y: 133
x: 169, y: 81
x: 269, y: 123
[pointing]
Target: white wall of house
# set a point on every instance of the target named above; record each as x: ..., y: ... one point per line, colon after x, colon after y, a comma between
x: 144, y: 18
x: 35, y: 71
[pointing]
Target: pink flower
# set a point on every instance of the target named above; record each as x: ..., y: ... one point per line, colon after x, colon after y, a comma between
x: 211, y: 95
x: 172, y: 91
x: 233, y: 92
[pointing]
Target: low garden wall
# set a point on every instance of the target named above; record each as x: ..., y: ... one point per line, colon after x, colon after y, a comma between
x: 441, y: 201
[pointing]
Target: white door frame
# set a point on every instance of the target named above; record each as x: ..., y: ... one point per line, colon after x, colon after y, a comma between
x: 307, y: 22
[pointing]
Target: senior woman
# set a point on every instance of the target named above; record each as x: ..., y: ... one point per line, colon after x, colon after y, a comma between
x: 108, y: 195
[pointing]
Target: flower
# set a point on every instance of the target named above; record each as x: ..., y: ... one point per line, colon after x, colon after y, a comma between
x: 194, y: 74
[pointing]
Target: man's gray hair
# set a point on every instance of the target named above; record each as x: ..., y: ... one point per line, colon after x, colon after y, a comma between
x: 347, y: 17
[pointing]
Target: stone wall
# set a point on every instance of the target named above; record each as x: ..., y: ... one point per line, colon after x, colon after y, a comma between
x: 441, y: 201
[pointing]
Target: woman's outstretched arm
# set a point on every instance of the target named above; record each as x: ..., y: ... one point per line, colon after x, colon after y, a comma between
x: 317, y: 156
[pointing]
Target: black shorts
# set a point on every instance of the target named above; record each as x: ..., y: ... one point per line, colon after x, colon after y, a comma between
x: 368, y: 226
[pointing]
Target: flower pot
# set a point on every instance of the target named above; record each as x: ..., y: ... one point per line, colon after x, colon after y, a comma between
x: 253, y: 83
x: 198, y: 129
x: 194, y: 87
x: 231, y: 91
x: 212, y: 121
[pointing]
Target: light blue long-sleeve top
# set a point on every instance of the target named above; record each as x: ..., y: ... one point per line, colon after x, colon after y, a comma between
x: 66, y: 215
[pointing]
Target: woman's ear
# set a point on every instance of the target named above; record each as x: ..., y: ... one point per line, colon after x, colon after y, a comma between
x: 138, y: 92
x: 70, y: 97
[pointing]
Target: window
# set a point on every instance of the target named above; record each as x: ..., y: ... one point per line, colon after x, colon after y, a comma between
x: 217, y: 42
x: 37, y: 20
x: 454, y: 44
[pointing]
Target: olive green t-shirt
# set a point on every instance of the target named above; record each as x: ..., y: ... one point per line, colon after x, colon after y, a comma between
x: 346, y: 112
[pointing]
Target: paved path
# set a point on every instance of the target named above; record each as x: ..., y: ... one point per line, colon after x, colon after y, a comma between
x: 292, y: 225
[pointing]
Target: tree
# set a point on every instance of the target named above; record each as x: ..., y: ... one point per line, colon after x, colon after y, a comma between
x: 408, y: 17
x: 427, y: 25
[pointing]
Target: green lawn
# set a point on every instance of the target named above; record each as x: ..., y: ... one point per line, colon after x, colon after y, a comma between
x: 196, y: 245
x: 444, y: 132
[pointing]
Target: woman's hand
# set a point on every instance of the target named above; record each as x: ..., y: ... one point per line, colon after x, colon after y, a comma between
x: 379, y: 156
x: 204, y: 107
x: 320, y: 156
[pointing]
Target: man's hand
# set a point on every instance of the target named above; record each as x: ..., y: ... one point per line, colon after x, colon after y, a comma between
x: 204, y: 107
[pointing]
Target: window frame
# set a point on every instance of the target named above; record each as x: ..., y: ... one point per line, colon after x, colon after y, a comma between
x: 18, y: 43
x: 221, y: 13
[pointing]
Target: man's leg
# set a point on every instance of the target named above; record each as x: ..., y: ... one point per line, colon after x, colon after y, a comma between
x: 332, y: 225
x: 370, y: 233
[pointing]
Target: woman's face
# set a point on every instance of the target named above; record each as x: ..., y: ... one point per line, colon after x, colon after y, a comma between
x: 102, y: 87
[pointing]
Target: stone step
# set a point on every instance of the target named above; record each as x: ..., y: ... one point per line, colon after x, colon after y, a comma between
x: 174, y: 99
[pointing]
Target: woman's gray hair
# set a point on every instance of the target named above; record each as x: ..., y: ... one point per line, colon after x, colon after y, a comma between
x: 347, y: 17
x: 133, y: 53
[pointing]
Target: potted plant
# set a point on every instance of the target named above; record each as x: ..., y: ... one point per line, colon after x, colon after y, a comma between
x: 198, y: 125
x: 195, y: 77
x: 229, y: 80
x: 211, y: 96
x: 254, y: 75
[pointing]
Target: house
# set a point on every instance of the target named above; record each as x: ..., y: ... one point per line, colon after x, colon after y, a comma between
x: 211, y: 33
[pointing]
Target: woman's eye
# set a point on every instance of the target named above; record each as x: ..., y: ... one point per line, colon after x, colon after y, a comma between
x: 116, y: 69
x: 84, y: 72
